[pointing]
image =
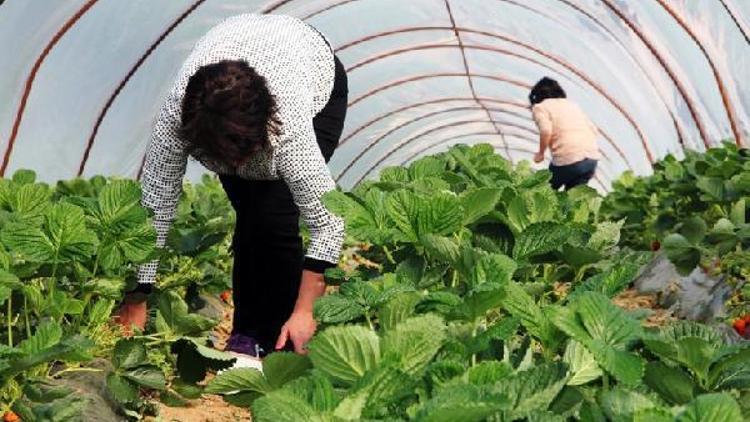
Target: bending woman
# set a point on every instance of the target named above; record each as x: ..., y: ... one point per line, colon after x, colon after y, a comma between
x: 568, y: 133
x: 261, y: 100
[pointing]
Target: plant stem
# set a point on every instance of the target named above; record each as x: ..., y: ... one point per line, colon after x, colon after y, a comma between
x: 605, y: 381
x: 10, y: 321
x: 69, y: 370
x: 388, y: 255
x: 26, y: 317
x: 369, y: 321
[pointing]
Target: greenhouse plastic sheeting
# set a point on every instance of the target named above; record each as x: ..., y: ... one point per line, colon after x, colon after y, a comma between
x: 82, y: 80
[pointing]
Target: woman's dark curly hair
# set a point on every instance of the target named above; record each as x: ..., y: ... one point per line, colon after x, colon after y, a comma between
x: 228, y: 113
x: 544, y: 89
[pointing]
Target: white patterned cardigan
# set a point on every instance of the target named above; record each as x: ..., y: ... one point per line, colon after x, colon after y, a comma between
x: 299, y: 68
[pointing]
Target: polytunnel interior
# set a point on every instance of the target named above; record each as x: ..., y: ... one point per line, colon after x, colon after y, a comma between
x: 84, y: 78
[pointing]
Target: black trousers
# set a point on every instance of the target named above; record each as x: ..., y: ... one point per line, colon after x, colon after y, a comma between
x: 268, y: 253
x: 572, y: 175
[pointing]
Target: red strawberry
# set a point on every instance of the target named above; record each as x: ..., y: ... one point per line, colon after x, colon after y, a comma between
x: 739, y: 326
x: 226, y: 295
x: 9, y: 416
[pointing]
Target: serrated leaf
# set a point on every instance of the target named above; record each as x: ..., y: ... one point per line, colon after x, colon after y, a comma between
x: 494, y: 268
x: 684, y: 255
x: 620, y: 403
x: 466, y: 403
x: 583, y: 366
x: 336, y: 309
x: 362, y: 222
x: 711, y: 408
x: 731, y: 371
x: 417, y: 215
x: 484, y: 298
x: 606, y: 322
x: 694, y: 229
x: 239, y: 380
x: 174, y: 312
x: 282, y: 367
x: 538, y: 239
x: 426, y: 167
x: 315, y: 389
x: 47, y: 334
x: 608, y: 283
x: 488, y: 372
x: 281, y: 406
x: 129, y: 354
x: 440, y: 248
x: 345, y: 353
x: 63, y: 236
x: 606, y: 236
x: 415, y: 342
x: 501, y: 331
x: 122, y: 390
x: 147, y: 376
x: 186, y: 389
x: 351, y: 407
x: 656, y: 414
x: 522, y: 306
x: 672, y: 384
x: 534, y: 388
x: 362, y: 293
x: 606, y: 331
x: 479, y: 202
x: 397, y: 309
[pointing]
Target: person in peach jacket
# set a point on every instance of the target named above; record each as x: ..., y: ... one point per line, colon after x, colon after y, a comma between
x: 567, y: 132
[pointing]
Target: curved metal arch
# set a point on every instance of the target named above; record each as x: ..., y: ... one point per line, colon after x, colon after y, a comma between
x: 424, y: 103
x: 400, y: 126
x: 126, y: 79
x: 32, y: 76
x: 408, y: 80
x: 420, y: 135
x: 731, y: 112
x: 400, y: 82
x: 744, y: 31
x: 467, y: 69
x: 578, y: 73
x: 666, y: 67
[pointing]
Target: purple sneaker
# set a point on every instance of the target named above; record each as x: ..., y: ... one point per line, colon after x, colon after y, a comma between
x: 246, y: 351
x: 246, y: 345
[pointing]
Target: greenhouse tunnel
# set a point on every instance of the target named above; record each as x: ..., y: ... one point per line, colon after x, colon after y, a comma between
x: 82, y: 80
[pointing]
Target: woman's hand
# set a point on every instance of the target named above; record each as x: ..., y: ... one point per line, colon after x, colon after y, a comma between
x: 299, y: 328
x: 132, y: 313
x: 538, y: 157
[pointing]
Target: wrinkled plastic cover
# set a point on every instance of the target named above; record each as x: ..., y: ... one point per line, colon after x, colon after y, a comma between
x: 81, y: 81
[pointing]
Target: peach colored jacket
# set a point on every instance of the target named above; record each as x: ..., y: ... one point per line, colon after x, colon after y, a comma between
x: 573, y: 135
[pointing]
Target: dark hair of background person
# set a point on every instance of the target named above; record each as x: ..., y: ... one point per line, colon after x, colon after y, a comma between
x: 544, y: 89
x: 228, y: 113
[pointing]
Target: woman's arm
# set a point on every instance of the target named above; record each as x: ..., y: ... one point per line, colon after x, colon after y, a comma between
x: 303, y: 168
x: 161, y: 184
x: 544, y: 123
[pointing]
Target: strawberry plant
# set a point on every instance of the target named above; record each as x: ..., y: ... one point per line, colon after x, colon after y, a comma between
x: 695, y: 210
x: 463, y: 317
x: 66, y: 256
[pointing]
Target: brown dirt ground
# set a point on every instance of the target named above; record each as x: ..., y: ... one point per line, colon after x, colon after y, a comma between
x: 209, y: 408
x: 631, y: 299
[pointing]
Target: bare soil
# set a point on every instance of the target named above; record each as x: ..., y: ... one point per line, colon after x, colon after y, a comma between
x: 209, y: 408
x: 631, y: 300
